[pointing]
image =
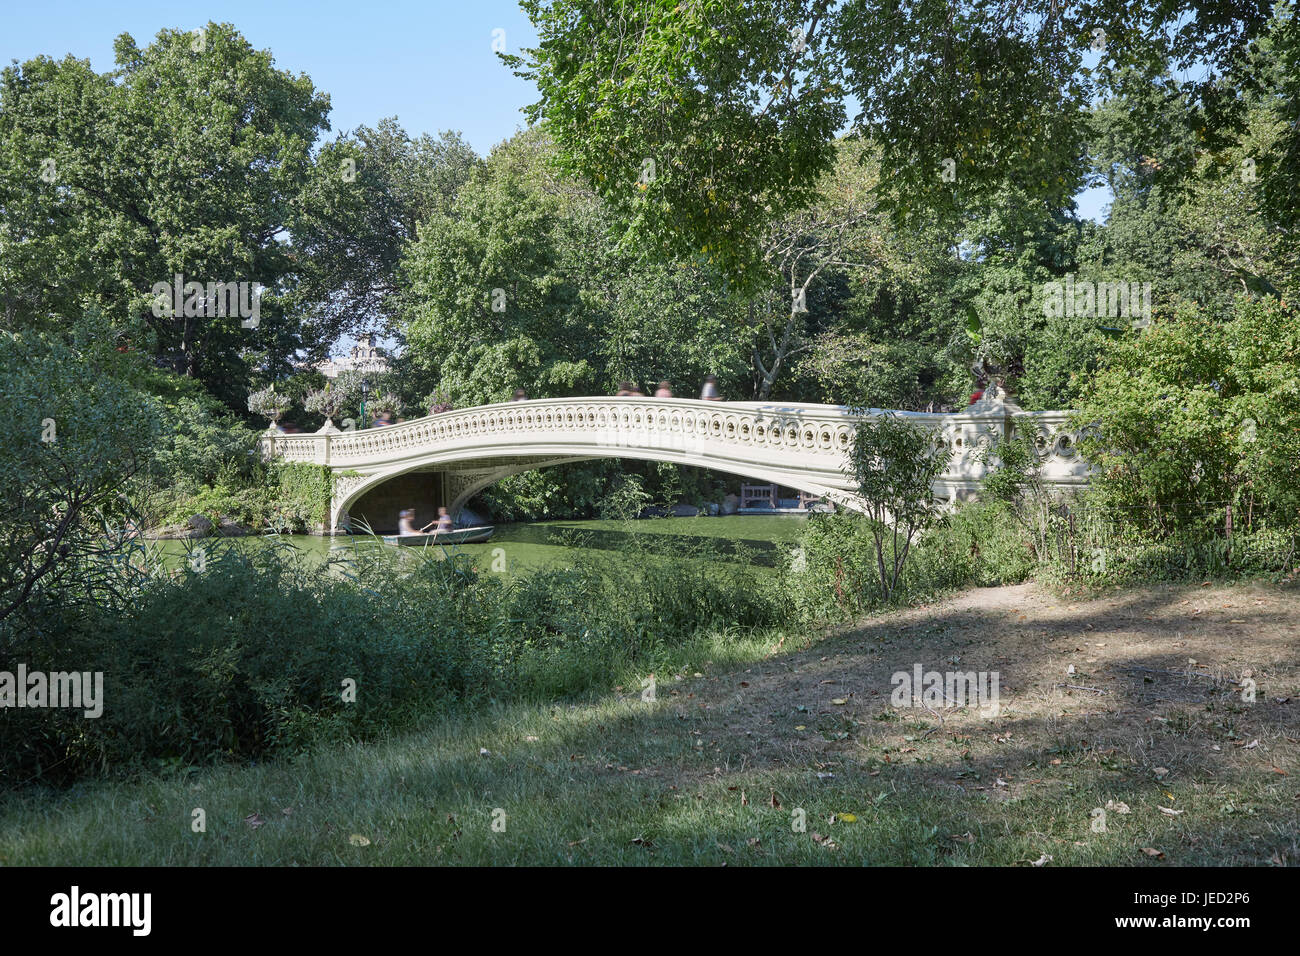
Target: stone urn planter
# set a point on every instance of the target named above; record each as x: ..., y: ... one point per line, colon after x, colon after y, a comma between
x: 272, y: 404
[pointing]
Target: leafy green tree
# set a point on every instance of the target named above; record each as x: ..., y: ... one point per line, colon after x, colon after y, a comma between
x: 895, y: 463
x: 696, y: 123
x: 1188, y: 214
x: 492, y: 305
x: 805, y: 251
x: 75, y: 437
x: 737, y: 104
x: 673, y: 322
x: 187, y: 160
x: 368, y: 191
x: 520, y: 285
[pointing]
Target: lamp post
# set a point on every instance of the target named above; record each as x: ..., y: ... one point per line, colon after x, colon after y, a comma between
x: 365, y: 387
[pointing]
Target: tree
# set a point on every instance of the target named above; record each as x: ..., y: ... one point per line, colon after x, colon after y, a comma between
x: 737, y: 104
x: 840, y: 230
x: 1189, y: 213
x: 674, y: 322
x: 76, y: 435
x: 697, y: 129
x: 494, y: 304
x: 186, y: 160
x: 368, y: 192
x: 896, y: 463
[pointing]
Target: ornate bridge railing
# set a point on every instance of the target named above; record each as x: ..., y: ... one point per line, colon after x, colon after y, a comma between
x: 798, y: 446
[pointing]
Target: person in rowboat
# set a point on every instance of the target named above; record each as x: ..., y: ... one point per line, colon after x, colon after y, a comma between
x: 405, y: 519
x: 443, y: 522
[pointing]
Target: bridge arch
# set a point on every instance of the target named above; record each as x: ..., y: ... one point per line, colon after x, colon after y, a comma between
x: 468, y: 477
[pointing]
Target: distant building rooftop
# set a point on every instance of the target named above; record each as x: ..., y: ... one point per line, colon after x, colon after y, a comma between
x: 365, y: 356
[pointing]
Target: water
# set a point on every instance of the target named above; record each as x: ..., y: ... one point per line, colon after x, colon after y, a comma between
x: 514, y: 548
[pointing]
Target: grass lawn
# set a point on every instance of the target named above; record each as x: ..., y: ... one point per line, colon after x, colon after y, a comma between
x: 1151, y: 723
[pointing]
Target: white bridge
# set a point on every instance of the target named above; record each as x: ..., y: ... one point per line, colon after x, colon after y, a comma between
x: 454, y: 455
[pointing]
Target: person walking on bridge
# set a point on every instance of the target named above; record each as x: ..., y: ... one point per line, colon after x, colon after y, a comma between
x: 665, y: 390
x: 709, y: 392
x: 628, y: 390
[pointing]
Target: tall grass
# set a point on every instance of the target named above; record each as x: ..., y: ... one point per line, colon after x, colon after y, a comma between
x: 261, y: 650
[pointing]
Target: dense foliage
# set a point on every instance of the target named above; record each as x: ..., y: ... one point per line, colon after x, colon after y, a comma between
x: 1197, y: 421
x: 71, y: 445
x: 737, y: 104
x: 687, y: 203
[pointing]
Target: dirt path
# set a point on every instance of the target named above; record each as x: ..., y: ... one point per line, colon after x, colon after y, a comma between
x: 1155, y: 681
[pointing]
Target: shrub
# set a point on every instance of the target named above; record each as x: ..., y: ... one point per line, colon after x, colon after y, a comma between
x: 73, y: 439
x: 896, y: 463
x: 246, y: 656
x: 1194, y: 424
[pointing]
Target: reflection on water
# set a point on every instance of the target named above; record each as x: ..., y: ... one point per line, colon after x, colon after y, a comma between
x: 749, y: 539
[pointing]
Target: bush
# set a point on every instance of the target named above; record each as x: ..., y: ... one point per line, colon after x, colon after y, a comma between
x: 833, y: 572
x: 73, y: 438
x: 302, y: 494
x: 247, y: 656
x: 1195, y: 418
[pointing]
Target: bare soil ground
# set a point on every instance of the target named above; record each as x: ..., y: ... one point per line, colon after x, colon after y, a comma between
x: 1176, y: 699
x: 1116, y: 663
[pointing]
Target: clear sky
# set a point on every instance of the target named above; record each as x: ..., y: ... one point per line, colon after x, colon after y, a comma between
x: 430, y: 63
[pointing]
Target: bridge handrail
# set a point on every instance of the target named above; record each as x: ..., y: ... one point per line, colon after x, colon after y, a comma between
x: 819, y: 434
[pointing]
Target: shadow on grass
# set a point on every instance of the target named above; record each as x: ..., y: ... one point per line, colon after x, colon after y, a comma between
x: 715, y: 769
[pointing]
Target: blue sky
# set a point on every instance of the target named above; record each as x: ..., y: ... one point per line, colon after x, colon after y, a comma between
x: 430, y: 64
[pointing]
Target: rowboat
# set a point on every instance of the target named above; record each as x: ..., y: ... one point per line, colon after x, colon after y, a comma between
x: 456, y: 536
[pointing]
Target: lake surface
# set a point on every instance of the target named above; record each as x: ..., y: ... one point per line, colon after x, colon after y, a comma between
x: 748, y: 539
